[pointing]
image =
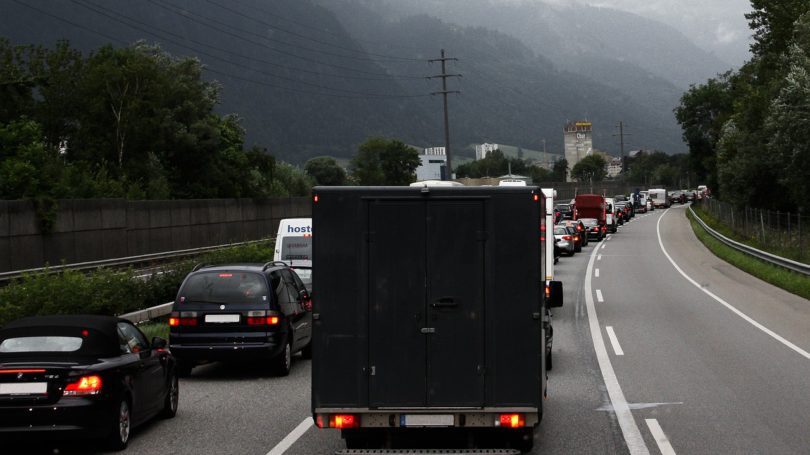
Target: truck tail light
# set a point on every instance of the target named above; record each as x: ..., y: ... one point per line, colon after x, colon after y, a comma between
x: 344, y: 421
x: 511, y: 421
x: 86, y: 385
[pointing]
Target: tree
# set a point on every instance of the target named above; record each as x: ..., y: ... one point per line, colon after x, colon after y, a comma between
x: 560, y: 170
x: 399, y: 163
x: 381, y: 161
x: 494, y: 164
x: 789, y: 126
x: 590, y: 169
x: 326, y: 171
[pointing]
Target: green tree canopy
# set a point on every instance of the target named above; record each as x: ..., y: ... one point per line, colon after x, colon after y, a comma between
x: 592, y: 168
x: 381, y: 161
x: 326, y: 171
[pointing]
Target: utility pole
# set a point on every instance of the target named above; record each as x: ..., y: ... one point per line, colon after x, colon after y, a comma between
x: 621, y: 144
x: 444, y: 92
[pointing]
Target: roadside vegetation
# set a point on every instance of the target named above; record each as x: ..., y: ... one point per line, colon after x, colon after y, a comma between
x: 107, y: 291
x: 788, y: 280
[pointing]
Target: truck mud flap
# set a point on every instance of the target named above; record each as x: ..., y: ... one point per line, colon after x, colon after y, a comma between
x: 429, y: 451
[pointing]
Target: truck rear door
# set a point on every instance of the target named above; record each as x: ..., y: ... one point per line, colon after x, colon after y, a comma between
x: 426, y: 325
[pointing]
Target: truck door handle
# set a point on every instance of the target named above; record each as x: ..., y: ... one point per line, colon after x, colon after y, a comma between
x: 445, y: 302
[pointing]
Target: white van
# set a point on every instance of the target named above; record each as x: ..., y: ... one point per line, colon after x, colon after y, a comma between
x: 294, y: 246
x: 610, y: 215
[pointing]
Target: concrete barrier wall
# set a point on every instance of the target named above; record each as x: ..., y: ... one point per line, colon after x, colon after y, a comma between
x: 95, y: 229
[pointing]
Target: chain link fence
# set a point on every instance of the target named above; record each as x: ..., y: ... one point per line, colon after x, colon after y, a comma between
x: 781, y: 233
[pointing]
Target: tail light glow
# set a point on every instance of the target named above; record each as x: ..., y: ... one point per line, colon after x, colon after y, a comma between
x: 86, y: 385
x: 29, y: 370
x: 566, y: 237
x: 344, y: 421
x: 511, y: 420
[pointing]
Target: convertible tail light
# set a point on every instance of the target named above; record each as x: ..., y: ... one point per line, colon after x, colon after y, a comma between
x: 84, y: 386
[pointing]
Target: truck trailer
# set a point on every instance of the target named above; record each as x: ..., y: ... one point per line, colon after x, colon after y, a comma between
x: 429, y: 314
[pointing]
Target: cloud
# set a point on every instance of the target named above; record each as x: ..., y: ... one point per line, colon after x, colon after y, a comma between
x: 725, y: 34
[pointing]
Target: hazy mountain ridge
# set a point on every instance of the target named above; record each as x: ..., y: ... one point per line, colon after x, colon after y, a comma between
x: 510, y: 94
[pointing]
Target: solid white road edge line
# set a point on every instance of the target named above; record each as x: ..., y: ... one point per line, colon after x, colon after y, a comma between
x: 739, y: 313
x: 614, y: 341
x: 630, y: 431
x: 660, y: 438
x: 596, y: 273
x: 599, y: 296
x: 290, y: 439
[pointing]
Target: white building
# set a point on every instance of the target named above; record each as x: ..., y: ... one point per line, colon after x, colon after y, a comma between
x: 434, y: 160
x: 614, y: 167
x: 481, y: 151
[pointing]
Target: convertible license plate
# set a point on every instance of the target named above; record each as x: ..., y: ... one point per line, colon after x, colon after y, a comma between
x: 427, y: 420
x: 24, y: 388
x: 222, y: 318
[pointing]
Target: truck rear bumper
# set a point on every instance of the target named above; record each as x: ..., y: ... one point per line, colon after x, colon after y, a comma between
x: 520, y: 417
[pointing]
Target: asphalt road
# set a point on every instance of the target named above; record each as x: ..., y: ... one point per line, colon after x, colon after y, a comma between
x: 695, y: 375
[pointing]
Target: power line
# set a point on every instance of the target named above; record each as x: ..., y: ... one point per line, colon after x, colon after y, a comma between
x: 444, y: 92
x: 208, y: 69
x: 307, y: 26
x: 259, y: 21
x: 215, y: 57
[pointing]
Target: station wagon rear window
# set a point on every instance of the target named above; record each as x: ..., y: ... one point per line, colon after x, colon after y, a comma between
x: 225, y: 287
x: 41, y: 344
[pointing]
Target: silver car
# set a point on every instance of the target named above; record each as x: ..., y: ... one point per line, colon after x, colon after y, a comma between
x: 565, y: 241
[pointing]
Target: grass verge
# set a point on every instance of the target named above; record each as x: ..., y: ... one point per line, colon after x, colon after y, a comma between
x: 788, y: 280
x: 155, y: 329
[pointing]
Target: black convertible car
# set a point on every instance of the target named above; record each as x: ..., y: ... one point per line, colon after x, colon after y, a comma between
x: 86, y: 376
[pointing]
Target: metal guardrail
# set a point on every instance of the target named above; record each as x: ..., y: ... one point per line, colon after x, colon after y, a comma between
x: 117, y: 262
x: 149, y: 313
x: 763, y: 255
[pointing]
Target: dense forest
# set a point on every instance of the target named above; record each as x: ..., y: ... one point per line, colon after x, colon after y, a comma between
x: 749, y: 130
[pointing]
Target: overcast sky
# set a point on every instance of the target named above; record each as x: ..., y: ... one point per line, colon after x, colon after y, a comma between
x: 717, y: 25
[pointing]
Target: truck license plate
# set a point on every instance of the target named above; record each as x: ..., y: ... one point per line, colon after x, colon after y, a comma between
x: 24, y: 388
x: 427, y: 420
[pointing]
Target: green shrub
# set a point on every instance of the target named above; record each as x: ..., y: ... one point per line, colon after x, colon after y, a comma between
x: 107, y: 291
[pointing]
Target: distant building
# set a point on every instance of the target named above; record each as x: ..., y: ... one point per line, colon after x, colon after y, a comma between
x: 578, y: 143
x: 614, y: 167
x: 481, y: 151
x: 434, y: 160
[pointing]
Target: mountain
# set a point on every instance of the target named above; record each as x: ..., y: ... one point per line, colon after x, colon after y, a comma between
x: 311, y: 78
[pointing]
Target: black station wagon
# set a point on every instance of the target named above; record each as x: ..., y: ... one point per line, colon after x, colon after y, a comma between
x: 255, y: 312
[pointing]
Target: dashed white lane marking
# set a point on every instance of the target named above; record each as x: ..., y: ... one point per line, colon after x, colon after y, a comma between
x: 599, y: 296
x: 603, y: 246
x: 660, y: 438
x: 290, y: 439
x: 599, y: 258
x: 596, y: 273
x: 614, y: 341
x: 630, y: 431
x: 739, y: 313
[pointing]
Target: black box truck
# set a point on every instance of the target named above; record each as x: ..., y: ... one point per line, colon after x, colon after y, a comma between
x: 429, y: 313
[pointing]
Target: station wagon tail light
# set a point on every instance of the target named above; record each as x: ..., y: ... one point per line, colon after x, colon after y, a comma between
x: 566, y: 237
x: 344, y: 421
x: 511, y: 421
x: 262, y: 317
x: 86, y: 385
x: 185, y: 319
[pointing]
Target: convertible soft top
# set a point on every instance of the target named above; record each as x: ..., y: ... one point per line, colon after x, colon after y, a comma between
x: 99, y: 332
